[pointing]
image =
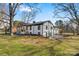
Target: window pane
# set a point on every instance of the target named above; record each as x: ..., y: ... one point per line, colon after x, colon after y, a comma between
x: 46, y: 27
x: 30, y: 27
x: 39, y: 27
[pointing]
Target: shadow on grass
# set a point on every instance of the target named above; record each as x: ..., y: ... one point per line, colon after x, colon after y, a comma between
x: 76, y: 54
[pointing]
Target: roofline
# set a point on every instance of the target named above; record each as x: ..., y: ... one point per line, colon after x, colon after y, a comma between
x: 42, y: 22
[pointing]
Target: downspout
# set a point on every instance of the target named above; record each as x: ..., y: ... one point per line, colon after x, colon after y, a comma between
x: 53, y: 30
x: 33, y: 29
x: 42, y: 29
x: 48, y: 30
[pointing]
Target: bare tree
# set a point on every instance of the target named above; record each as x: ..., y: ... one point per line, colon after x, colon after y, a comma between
x: 3, y: 17
x: 30, y: 14
x: 12, y: 10
x: 12, y: 7
x: 60, y: 25
x: 68, y: 11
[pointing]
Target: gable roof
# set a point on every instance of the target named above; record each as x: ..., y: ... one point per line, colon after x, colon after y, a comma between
x: 37, y: 23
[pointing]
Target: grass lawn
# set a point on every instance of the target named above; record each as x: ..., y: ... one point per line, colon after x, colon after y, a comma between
x: 38, y: 46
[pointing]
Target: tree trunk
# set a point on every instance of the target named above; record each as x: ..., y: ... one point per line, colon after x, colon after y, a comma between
x: 11, y: 18
x: 11, y: 26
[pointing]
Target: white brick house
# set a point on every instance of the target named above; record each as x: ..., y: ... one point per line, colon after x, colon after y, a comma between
x: 44, y: 28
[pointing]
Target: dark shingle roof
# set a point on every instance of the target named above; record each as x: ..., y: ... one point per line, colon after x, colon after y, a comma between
x: 33, y: 24
x: 37, y: 23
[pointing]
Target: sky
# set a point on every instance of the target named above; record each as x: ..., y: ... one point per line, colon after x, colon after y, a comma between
x: 46, y: 12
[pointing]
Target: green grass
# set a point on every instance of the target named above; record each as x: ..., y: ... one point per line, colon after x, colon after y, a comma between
x: 38, y: 46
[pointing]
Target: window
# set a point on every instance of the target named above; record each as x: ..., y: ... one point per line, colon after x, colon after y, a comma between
x: 22, y: 30
x: 46, y: 27
x: 38, y: 33
x: 26, y: 28
x: 51, y: 28
x: 30, y: 33
x: 38, y: 27
x: 30, y: 27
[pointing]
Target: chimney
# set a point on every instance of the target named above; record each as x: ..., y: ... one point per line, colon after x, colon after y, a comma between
x: 33, y: 21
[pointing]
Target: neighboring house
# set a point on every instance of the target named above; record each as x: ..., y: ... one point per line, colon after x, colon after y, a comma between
x: 4, y: 24
x: 1, y: 25
x: 44, y: 28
